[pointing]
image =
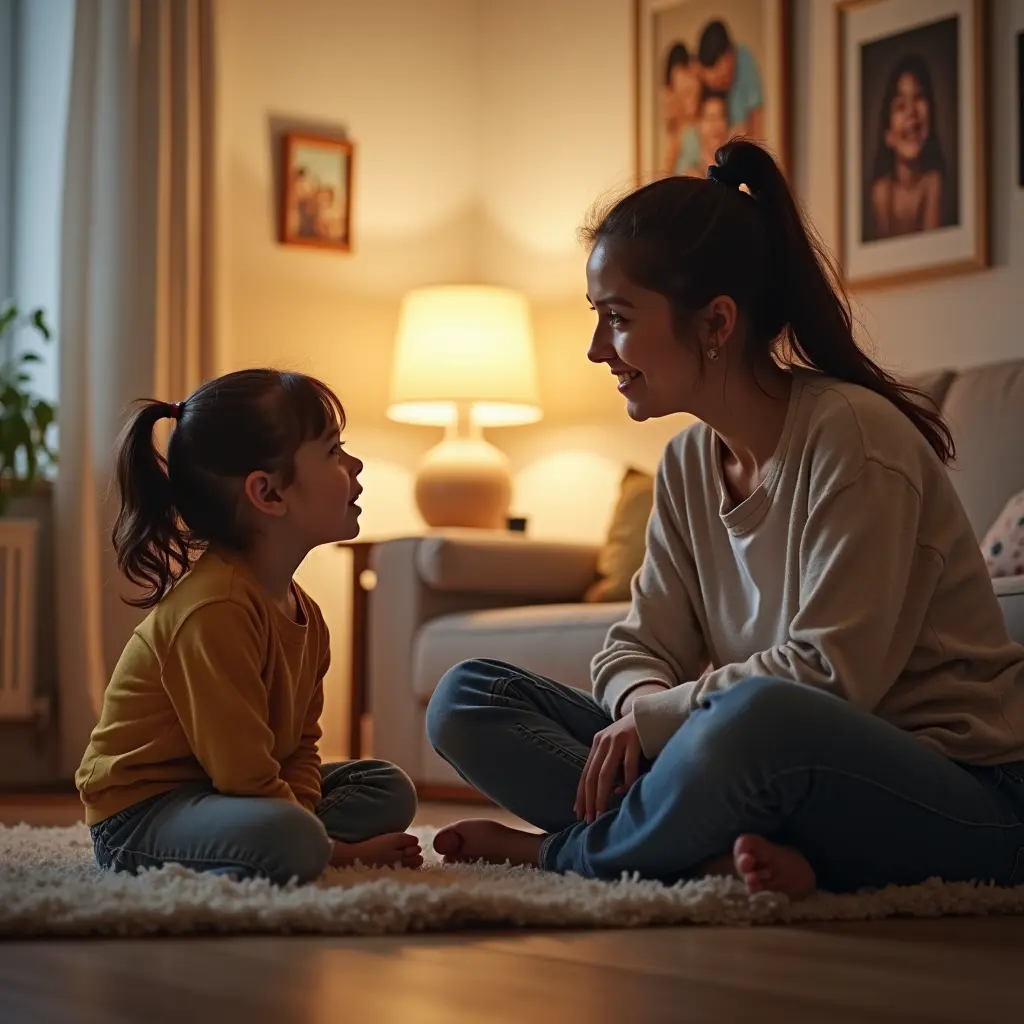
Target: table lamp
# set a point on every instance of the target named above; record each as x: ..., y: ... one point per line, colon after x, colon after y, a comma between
x: 464, y: 361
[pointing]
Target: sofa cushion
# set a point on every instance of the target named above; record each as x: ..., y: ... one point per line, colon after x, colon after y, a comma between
x: 623, y: 551
x: 1010, y: 591
x: 557, y: 641
x: 934, y: 383
x: 985, y: 410
x: 510, y: 565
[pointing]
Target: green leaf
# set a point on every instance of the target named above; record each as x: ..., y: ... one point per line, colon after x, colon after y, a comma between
x: 30, y: 357
x: 7, y: 317
x: 43, y: 413
x: 20, y: 430
x: 39, y: 322
x: 12, y: 399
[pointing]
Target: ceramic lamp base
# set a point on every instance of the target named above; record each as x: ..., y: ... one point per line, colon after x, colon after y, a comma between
x: 465, y: 482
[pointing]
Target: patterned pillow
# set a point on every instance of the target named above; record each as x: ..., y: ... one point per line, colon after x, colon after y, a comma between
x: 1003, y: 545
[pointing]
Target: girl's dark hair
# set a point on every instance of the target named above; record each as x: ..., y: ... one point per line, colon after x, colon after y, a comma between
x: 692, y: 239
x: 713, y: 94
x: 173, y: 506
x: 931, y: 158
x: 678, y: 56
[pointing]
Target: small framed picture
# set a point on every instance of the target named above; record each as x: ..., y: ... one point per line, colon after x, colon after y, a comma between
x: 709, y: 70
x: 912, y: 140
x: 1020, y: 109
x: 316, y: 208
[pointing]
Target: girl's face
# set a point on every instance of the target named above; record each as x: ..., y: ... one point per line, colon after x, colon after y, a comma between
x: 321, y: 499
x: 657, y: 371
x: 910, y: 119
x: 686, y: 89
x: 714, y: 125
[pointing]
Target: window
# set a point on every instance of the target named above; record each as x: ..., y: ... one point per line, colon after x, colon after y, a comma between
x: 41, y: 34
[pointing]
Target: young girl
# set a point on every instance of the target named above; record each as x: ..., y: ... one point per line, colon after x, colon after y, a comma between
x: 710, y: 134
x: 907, y: 184
x: 206, y: 750
x: 680, y: 106
x: 814, y: 686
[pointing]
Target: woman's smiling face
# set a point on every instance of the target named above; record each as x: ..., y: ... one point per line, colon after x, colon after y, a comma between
x: 657, y: 369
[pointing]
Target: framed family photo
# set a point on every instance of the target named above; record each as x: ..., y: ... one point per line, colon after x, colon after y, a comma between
x: 912, y: 140
x: 709, y: 70
x: 316, y: 207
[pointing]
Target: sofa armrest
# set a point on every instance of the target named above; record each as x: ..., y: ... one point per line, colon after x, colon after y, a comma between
x: 510, y: 565
x: 422, y: 578
x: 1010, y: 591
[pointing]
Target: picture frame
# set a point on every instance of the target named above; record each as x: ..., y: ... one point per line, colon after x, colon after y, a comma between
x: 705, y: 71
x: 316, y: 191
x: 913, y: 141
x: 1020, y: 109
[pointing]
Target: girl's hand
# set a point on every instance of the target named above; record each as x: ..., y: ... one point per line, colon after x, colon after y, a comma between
x: 614, y: 752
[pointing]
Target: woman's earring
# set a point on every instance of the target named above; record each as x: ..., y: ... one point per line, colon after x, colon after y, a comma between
x: 713, y: 352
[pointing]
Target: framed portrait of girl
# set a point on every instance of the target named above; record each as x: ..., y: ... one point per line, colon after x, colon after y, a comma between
x: 912, y: 141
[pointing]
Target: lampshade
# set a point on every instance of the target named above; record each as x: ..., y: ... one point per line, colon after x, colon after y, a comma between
x: 467, y: 345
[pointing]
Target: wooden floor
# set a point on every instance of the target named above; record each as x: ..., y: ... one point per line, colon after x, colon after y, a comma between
x: 962, y: 971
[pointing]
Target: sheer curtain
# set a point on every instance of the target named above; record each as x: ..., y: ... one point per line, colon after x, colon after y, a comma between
x: 136, y: 308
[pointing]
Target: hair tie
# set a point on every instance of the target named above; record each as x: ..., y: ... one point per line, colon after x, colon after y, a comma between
x: 720, y: 175
x: 176, y: 410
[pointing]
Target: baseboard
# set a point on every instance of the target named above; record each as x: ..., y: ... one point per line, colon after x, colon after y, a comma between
x: 451, y: 794
x: 42, y: 796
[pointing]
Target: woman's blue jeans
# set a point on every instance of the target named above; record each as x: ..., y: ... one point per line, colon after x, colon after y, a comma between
x: 253, y: 837
x: 865, y: 802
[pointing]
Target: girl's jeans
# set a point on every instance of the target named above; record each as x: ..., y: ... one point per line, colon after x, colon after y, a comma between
x: 865, y: 802
x: 250, y: 837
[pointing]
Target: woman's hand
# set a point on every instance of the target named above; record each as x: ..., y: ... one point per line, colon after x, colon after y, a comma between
x: 615, y: 753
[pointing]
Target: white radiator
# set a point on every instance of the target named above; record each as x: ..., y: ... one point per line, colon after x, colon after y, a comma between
x: 17, y: 617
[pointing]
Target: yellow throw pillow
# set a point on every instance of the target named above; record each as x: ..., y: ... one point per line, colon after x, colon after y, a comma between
x: 623, y: 550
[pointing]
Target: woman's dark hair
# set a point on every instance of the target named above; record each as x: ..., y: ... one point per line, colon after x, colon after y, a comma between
x: 715, y: 43
x: 692, y: 239
x: 174, y: 506
x: 931, y: 158
x: 678, y: 56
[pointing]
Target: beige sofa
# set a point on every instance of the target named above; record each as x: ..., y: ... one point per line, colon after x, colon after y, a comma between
x: 453, y: 595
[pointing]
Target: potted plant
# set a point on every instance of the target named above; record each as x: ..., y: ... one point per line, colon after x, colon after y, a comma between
x: 25, y: 418
x: 25, y: 455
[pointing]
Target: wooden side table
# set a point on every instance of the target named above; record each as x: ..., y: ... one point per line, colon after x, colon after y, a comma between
x: 362, y: 582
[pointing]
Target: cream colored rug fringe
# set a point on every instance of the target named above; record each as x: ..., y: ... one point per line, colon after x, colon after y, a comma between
x: 49, y: 885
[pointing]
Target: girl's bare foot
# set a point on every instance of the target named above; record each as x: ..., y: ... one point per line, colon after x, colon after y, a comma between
x: 765, y: 866
x: 482, y: 839
x: 397, y: 848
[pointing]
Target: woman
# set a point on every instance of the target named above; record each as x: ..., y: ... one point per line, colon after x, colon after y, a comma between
x: 814, y: 687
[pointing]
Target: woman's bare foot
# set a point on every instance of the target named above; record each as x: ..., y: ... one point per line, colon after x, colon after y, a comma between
x: 765, y: 866
x: 482, y: 839
x: 397, y: 848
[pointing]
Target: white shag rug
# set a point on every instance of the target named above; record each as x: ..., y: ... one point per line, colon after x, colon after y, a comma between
x: 49, y: 885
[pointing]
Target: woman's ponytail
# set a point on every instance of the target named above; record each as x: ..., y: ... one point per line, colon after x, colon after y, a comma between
x: 151, y: 546
x: 805, y: 297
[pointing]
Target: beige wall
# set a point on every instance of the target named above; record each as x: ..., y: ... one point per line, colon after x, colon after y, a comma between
x: 401, y: 77
x: 485, y: 130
